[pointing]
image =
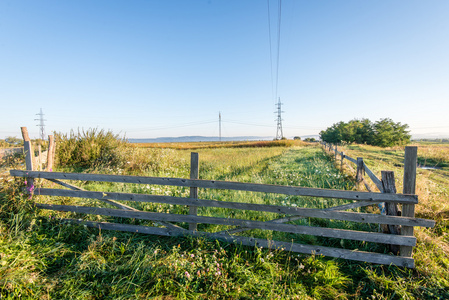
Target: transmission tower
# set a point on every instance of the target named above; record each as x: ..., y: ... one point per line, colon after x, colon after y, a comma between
x: 41, y: 124
x: 279, y: 133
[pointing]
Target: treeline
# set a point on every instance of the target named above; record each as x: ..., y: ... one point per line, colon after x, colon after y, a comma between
x: 383, y: 133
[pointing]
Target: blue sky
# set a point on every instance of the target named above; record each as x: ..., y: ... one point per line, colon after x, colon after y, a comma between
x: 149, y: 69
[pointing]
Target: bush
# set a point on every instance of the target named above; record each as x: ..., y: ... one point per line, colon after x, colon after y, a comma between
x: 91, y: 148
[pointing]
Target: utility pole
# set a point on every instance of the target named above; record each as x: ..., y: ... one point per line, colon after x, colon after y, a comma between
x: 279, y: 133
x: 219, y: 125
x: 41, y: 125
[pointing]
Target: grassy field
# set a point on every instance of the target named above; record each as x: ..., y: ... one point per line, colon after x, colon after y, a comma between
x: 40, y: 258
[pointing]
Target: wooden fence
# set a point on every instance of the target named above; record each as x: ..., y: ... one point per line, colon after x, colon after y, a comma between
x: 43, y: 158
x: 404, y: 239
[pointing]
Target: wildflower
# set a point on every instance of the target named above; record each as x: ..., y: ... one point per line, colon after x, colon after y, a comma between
x: 187, y: 275
x: 192, y: 255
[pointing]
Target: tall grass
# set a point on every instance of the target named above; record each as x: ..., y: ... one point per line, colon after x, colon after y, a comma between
x: 42, y: 258
x: 88, y: 148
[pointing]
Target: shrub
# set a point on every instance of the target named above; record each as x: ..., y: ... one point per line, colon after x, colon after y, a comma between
x: 91, y: 148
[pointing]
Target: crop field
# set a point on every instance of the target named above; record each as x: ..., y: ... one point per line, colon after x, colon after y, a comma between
x: 42, y: 258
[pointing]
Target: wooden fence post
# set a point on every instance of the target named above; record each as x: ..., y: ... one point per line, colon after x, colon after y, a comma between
x: 336, y: 152
x: 360, y: 170
x: 342, y: 160
x: 50, y: 153
x: 39, y: 158
x: 25, y: 135
x: 194, y: 174
x: 389, y: 186
x: 29, y: 155
x: 408, y: 210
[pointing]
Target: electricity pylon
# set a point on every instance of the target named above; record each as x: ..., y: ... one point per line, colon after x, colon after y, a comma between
x: 279, y: 133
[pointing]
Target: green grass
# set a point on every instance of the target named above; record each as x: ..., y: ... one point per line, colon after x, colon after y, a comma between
x: 42, y: 258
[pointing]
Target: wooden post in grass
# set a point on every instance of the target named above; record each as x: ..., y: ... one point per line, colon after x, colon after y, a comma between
x: 194, y: 174
x: 29, y: 154
x: 342, y: 160
x: 50, y: 153
x: 389, y: 186
x: 336, y: 152
x: 39, y: 158
x: 408, y: 210
x: 360, y: 170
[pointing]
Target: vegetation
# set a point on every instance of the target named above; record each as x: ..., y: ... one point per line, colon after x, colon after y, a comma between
x: 88, y: 148
x: 214, y: 145
x: 383, y: 133
x: 40, y: 258
x: 11, y: 141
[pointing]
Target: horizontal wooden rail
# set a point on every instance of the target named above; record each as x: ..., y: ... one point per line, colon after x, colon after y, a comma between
x: 296, y: 211
x: 351, y: 159
x: 370, y: 173
x: 298, y: 229
x: 356, y: 255
x: 213, y: 184
x: 373, y: 177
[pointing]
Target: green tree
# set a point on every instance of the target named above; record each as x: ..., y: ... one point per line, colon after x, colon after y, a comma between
x: 384, y: 133
x: 389, y: 133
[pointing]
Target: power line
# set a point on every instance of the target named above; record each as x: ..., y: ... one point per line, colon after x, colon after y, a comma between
x: 171, y: 126
x: 271, y: 53
x: 279, y: 46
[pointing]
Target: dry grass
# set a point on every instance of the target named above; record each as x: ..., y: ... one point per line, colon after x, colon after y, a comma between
x: 213, y: 145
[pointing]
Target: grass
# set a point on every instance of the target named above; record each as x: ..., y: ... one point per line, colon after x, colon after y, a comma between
x: 214, y: 145
x: 40, y: 258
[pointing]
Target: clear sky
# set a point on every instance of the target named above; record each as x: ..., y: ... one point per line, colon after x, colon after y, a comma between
x: 167, y: 68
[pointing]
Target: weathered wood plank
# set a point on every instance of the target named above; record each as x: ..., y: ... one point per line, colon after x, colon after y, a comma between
x: 316, y: 231
x: 194, y: 174
x: 50, y: 153
x: 351, y: 159
x: 366, y: 185
x: 212, y: 184
x: 360, y: 170
x: 352, y: 205
x: 373, y: 177
x: 29, y: 161
x: 328, y: 213
x: 408, y: 210
x: 75, y: 188
x: 109, y: 201
x: 369, y: 257
x: 389, y: 186
x: 25, y: 135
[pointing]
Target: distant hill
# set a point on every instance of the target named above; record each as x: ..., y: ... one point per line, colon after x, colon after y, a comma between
x: 190, y: 139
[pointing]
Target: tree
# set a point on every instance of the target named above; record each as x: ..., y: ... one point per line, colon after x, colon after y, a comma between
x: 389, y: 133
x: 310, y: 140
x: 384, y: 133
